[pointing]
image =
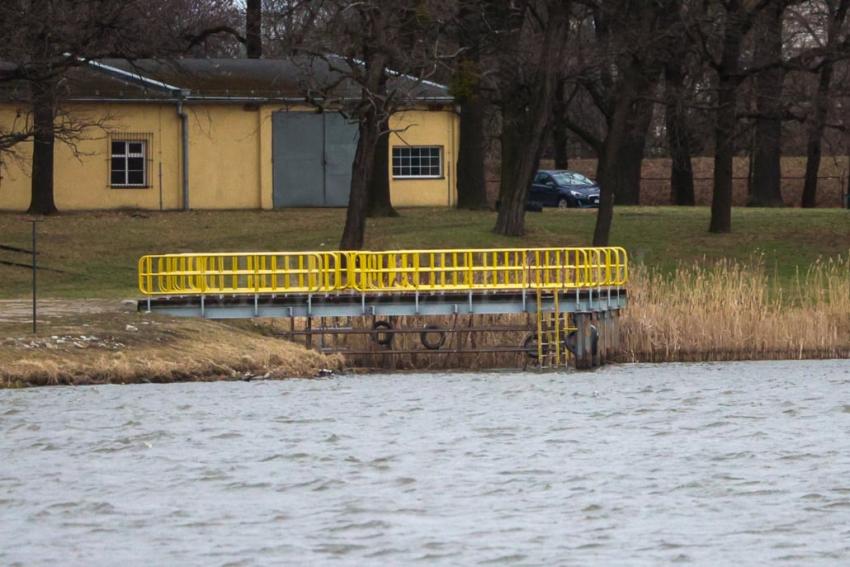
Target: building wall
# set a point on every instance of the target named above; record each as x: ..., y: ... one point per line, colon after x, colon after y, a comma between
x: 426, y: 128
x: 224, y: 153
x: 81, y: 173
x: 230, y: 158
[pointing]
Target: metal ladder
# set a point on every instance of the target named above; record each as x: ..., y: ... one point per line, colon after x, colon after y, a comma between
x: 551, y: 330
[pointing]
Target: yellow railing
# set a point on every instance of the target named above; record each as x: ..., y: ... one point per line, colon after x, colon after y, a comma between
x: 394, y: 271
x: 286, y: 272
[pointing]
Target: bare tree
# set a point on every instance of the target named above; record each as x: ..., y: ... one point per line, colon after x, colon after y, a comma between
x: 470, y: 34
x: 254, y: 28
x: 734, y: 19
x: 766, y: 163
x: 379, y: 199
x: 678, y: 132
x: 633, y: 38
x: 531, y: 51
x: 46, y: 39
x: 837, y: 14
x: 558, y: 125
x: 359, y: 41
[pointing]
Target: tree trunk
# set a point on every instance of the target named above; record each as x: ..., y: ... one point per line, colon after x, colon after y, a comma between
x: 354, y: 233
x: 43, y: 101
x: 524, y: 120
x: 471, y: 156
x: 471, y: 177
x: 615, y: 141
x: 380, y: 204
x: 725, y: 125
x: 559, y: 127
x: 370, y: 117
x: 254, y: 28
x: 678, y: 136
x: 821, y: 105
x: 767, y: 173
x: 815, y: 137
x: 44, y: 112
x: 724, y: 150
x: 627, y: 167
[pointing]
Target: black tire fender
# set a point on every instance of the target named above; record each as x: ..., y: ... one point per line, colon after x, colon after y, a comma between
x: 530, y: 346
x: 425, y: 337
x: 571, y: 341
x: 383, y: 339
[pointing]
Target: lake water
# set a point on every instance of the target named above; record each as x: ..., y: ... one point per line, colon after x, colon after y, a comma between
x: 632, y: 465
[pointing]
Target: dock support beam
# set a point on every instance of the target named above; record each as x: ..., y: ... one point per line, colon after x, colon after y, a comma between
x: 584, y: 355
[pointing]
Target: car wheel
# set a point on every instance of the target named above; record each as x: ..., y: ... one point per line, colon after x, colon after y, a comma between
x: 563, y: 203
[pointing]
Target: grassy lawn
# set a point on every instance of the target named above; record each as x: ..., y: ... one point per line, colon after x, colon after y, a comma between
x: 97, y: 251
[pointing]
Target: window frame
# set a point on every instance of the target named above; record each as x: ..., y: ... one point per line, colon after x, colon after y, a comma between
x: 402, y: 148
x: 126, y: 157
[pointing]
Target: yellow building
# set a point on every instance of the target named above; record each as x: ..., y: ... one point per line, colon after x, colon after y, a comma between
x: 228, y: 134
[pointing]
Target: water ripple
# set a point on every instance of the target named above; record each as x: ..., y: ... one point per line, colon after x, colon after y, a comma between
x: 637, y: 465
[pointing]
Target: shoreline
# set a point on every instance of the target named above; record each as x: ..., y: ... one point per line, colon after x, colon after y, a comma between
x: 124, y: 347
x: 108, y: 342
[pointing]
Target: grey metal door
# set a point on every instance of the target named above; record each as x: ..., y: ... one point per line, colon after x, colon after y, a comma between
x: 312, y: 156
x: 340, y: 147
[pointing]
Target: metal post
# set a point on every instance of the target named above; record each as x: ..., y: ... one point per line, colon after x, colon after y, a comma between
x: 582, y: 356
x: 34, y: 280
x: 33, y: 221
x: 595, y: 358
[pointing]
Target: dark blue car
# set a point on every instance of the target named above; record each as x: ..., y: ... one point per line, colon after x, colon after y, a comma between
x: 563, y: 189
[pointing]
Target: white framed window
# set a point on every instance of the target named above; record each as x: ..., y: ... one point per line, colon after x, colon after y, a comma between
x: 128, y: 163
x: 417, y: 162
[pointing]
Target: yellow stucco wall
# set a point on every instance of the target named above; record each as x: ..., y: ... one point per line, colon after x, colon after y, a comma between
x: 13, y: 169
x: 81, y: 179
x: 425, y: 128
x: 230, y: 158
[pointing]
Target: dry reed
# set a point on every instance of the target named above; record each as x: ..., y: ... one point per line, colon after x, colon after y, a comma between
x: 724, y: 311
x: 701, y: 312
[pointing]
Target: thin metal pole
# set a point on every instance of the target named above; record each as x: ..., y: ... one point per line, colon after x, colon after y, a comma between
x: 34, y: 283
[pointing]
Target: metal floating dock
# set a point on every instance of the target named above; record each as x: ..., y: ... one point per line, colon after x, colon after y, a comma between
x: 571, y: 297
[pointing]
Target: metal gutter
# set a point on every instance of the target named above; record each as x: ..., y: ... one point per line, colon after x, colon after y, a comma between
x: 233, y: 99
x: 184, y: 145
x: 134, y: 77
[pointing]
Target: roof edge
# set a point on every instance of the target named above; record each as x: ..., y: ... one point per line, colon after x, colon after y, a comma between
x: 137, y: 78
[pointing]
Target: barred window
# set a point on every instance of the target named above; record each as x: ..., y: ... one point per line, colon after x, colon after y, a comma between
x: 411, y: 162
x: 130, y: 160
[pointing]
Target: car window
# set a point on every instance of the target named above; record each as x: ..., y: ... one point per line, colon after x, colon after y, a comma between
x: 581, y: 179
x: 570, y: 178
x: 563, y: 178
x: 539, y: 178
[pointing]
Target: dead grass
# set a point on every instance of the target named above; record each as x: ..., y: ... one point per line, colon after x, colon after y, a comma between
x: 132, y: 348
x: 724, y: 312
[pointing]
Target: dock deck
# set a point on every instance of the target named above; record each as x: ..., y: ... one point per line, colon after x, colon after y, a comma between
x: 574, y: 293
